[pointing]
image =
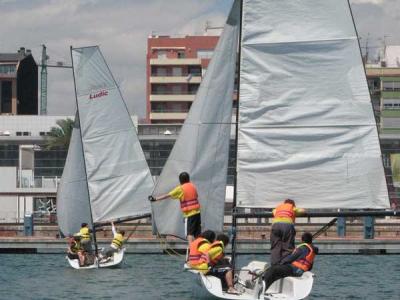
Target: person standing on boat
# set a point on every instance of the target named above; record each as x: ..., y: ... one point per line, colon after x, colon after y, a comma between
x: 283, y: 232
x: 116, y: 243
x: 86, y: 242
x: 186, y: 193
x: 220, y: 265
x: 301, y: 260
x: 198, y: 257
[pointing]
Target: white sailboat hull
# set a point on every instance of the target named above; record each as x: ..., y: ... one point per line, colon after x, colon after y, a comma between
x: 115, y: 261
x: 289, y: 288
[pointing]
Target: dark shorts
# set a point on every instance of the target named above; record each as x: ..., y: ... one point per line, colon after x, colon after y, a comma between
x: 193, y: 225
x: 72, y: 255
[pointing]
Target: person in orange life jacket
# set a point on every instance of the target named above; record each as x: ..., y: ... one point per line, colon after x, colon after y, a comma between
x: 295, y: 264
x: 116, y: 243
x: 186, y: 193
x: 220, y: 265
x: 198, y: 257
x: 283, y: 232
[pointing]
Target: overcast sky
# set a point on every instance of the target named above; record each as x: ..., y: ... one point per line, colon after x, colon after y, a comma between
x: 121, y: 28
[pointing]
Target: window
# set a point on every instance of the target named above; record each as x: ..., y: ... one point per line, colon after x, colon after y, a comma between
x: 176, y: 71
x: 7, y: 69
x: 26, y: 133
x: 18, y: 133
x: 6, y: 96
x: 181, y: 54
x: 391, y: 85
x: 162, y: 54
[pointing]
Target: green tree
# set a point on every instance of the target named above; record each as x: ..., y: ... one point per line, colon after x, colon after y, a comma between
x: 61, y: 135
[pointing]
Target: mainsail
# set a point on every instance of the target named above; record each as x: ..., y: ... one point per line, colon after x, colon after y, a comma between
x: 306, y: 128
x: 72, y: 194
x: 117, y: 175
x: 203, y: 145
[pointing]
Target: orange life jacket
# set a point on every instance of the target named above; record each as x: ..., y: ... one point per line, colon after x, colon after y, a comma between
x: 189, y: 201
x: 195, y: 256
x: 305, y: 263
x: 286, y: 211
x: 215, y: 258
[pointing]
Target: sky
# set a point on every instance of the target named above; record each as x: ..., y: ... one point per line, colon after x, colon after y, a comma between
x: 121, y: 28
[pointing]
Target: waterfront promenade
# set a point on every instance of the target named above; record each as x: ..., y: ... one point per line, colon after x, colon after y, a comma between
x: 253, y: 238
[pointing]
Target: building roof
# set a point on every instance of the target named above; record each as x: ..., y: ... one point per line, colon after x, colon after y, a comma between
x: 11, y: 57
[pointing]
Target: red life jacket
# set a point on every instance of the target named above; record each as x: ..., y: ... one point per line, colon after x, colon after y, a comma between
x: 285, y: 210
x: 305, y: 263
x: 189, y: 201
x: 215, y: 258
x: 195, y: 256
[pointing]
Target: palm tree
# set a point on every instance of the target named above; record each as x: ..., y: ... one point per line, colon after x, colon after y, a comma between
x: 61, y: 135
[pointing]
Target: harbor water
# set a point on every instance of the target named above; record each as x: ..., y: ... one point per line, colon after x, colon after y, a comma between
x: 162, y: 277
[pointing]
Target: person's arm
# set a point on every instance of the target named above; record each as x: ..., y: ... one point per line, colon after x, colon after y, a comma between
x: 302, y: 251
x: 114, y: 231
x: 299, y: 211
x: 161, y: 197
x: 176, y: 193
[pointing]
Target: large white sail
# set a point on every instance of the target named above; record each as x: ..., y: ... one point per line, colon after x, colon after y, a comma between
x: 118, y: 176
x: 203, y: 145
x: 72, y: 193
x: 306, y: 128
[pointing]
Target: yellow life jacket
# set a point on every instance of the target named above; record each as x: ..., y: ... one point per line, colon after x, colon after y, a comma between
x: 75, y: 246
x: 216, y: 252
x: 84, y: 233
x: 118, y: 240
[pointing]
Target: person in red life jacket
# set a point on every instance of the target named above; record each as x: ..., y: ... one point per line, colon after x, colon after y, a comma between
x: 220, y: 265
x: 198, y: 257
x: 283, y: 232
x: 301, y: 260
x: 186, y: 193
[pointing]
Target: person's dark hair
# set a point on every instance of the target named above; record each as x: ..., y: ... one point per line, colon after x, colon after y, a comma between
x: 122, y: 232
x: 184, y: 177
x: 209, y: 235
x: 84, y: 225
x: 306, y: 238
x: 223, y: 238
x: 290, y: 201
x: 77, y: 238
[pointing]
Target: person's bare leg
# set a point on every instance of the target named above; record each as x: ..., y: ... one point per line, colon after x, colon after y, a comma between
x: 229, y: 282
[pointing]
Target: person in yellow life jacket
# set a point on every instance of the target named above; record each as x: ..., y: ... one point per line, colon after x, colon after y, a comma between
x: 186, y: 193
x: 301, y: 260
x: 283, y: 232
x: 116, y: 243
x: 220, y: 265
x: 86, y: 242
x: 198, y: 258
x: 74, y: 249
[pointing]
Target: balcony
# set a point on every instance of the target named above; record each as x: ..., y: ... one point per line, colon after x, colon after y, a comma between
x: 175, y: 79
x: 168, y: 115
x: 172, y: 98
x: 175, y: 61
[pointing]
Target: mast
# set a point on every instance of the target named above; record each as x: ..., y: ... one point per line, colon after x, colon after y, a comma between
x: 84, y: 159
x: 234, y: 220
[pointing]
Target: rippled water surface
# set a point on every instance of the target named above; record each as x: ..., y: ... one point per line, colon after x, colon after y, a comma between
x: 161, y: 277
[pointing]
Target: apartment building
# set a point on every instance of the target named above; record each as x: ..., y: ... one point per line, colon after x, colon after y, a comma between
x: 175, y: 66
x: 18, y: 83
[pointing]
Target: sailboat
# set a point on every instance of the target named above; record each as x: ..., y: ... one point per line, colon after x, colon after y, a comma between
x: 305, y: 129
x: 106, y: 177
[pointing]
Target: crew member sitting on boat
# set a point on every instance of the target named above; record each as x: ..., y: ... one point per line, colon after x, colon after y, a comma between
x: 116, y: 244
x: 295, y: 264
x: 186, y: 193
x: 283, y: 232
x: 198, y: 257
x: 86, y: 242
x: 74, y: 249
x: 220, y: 265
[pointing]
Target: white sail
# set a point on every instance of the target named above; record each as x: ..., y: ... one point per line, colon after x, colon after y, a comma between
x: 72, y: 193
x: 306, y: 128
x: 118, y: 176
x: 203, y: 145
